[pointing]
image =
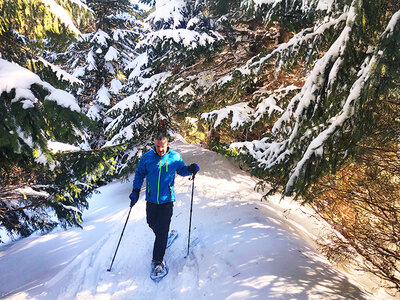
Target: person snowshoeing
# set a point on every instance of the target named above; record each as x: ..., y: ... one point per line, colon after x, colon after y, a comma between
x: 159, y: 166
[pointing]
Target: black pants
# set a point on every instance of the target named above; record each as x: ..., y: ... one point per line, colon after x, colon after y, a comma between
x: 159, y: 219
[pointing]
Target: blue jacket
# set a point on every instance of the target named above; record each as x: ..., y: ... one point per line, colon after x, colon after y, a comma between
x: 160, y: 175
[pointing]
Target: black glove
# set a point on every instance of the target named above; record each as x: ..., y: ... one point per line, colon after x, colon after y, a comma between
x: 134, y: 196
x: 193, y: 168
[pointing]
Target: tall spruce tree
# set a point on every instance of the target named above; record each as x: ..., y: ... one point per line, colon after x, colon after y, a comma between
x: 178, y: 33
x: 99, y: 58
x: 334, y: 48
x: 312, y: 112
x: 39, y: 187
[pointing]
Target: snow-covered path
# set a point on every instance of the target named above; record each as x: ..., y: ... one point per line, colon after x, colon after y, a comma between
x: 241, y: 248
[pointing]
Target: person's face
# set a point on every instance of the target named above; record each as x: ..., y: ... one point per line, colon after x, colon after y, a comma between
x: 161, y: 146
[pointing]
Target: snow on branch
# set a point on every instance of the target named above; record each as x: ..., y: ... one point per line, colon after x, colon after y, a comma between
x: 292, y: 134
x: 61, y: 74
x: 269, y: 104
x: 310, y: 92
x: 100, y: 37
x: 62, y: 14
x: 72, y: 208
x: 390, y: 29
x: 112, y: 54
x: 142, y: 94
x: 241, y: 113
x: 167, y: 11
x: 115, y: 86
x: 285, y: 52
x: 137, y: 64
x: 190, y: 39
x: 291, y: 48
x: 301, y: 5
x: 13, y: 76
x: 125, y: 134
x: 128, y: 103
x: 123, y: 109
x: 103, y: 96
x: 316, y: 145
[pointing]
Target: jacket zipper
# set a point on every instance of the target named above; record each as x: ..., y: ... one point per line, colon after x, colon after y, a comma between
x: 159, y: 176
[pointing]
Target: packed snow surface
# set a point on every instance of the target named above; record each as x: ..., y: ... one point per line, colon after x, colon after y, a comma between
x: 241, y: 248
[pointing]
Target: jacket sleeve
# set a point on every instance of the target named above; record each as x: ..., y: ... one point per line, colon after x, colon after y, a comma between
x: 182, y: 168
x: 140, y: 174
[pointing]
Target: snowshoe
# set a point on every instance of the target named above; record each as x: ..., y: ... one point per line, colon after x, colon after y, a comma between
x: 158, y: 270
x: 173, y: 235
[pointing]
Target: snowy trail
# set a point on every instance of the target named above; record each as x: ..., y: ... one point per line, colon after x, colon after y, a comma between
x: 241, y: 248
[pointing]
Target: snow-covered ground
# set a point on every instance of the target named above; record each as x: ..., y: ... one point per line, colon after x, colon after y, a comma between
x: 241, y: 248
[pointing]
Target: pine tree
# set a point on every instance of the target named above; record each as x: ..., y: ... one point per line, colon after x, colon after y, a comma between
x: 334, y: 49
x: 313, y: 111
x: 178, y: 34
x: 41, y: 188
x: 99, y: 58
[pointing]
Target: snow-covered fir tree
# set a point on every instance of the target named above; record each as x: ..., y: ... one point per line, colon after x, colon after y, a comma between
x: 305, y: 92
x: 41, y: 188
x: 312, y: 110
x: 28, y: 27
x: 178, y: 33
x: 99, y: 58
x: 333, y: 49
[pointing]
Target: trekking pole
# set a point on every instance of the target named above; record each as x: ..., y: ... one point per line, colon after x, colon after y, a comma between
x: 190, y: 219
x: 109, y: 269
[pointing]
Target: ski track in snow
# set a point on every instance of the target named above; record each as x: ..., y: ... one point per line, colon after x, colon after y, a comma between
x: 241, y: 248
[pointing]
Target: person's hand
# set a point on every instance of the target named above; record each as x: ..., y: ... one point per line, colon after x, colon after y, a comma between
x: 193, y: 168
x: 134, y: 196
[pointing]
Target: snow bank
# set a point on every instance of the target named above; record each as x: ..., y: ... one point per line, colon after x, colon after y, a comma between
x: 241, y: 248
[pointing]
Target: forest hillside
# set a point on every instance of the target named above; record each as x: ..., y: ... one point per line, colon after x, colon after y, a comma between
x: 303, y: 94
